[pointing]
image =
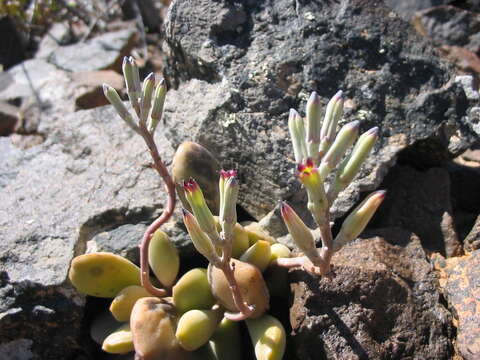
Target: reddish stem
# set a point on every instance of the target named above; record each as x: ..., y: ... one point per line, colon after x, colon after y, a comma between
x: 244, y: 310
x: 166, y: 214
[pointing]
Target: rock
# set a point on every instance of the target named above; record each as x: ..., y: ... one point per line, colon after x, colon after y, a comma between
x: 273, y: 55
x: 26, y: 141
x: 450, y: 25
x: 273, y: 223
x: 465, y: 195
x: 12, y: 46
x: 25, y: 79
x: 455, y: 32
x: 86, y: 178
x: 58, y: 35
x: 467, y: 82
x: 459, y: 279
x: 420, y: 202
x: 407, y: 8
x: 8, y: 118
x: 380, y: 301
x: 472, y: 241
x: 88, y: 87
x: 124, y: 240
x: 100, y: 53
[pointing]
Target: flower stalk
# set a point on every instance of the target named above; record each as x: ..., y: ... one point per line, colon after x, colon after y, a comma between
x: 322, y: 154
x: 141, y: 101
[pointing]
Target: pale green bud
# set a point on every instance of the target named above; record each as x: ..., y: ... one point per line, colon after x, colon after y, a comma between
x: 313, y: 126
x: 329, y: 127
x: 345, y: 138
x: 114, y: 99
x: 200, y: 240
x: 351, y: 166
x: 146, y: 100
x: 356, y: 222
x: 158, y: 103
x: 301, y: 234
x: 297, y: 133
x: 202, y: 213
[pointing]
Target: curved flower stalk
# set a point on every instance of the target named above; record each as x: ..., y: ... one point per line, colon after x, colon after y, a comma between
x: 318, y: 154
x: 209, y: 242
x: 147, y: 101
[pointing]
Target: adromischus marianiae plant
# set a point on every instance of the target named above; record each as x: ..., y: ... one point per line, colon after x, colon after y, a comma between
x: 235, y: 289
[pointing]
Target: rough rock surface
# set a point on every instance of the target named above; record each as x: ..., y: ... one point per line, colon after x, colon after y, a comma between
x: 465, y: 195
x: 419, y: 201
x: 408, y: 8
x: 460, y: 280
x: 472, y: 241
x: 100, y: 53
x: 380, y: 301
x: 265, y: 57
x: 89, y: 176
x: 449, y: 25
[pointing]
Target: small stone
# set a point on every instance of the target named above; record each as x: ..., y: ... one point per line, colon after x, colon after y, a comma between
x: 459, y: 280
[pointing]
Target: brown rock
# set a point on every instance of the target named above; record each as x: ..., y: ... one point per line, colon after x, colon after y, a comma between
x: 88, y: 87
x: 420, y: 202
x: 460, y: 280
x: 8, y: 118
x: 380, y: 302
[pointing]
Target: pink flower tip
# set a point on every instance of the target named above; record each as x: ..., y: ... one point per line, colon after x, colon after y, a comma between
x: 285, y: 209
x: 190, y: 185
x: 226, y: 174
x: 372, y: 132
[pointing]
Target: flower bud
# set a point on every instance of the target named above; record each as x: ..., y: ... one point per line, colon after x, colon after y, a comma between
x: 146, y: 99
x: 350, y: 167
x: 297, y: 133
x: 200, y: 240
x: 329, y: 127
x: 301, y: 234
x: 313, y: 125
x: 157, y: 108
x: 356, y: 222
x: 202, y: 213
x: 228, y: 197
x: 114, y: 99
x: 345, y: 138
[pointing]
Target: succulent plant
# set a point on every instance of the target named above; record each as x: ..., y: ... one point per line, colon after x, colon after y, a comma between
x: 318, y: 153
x: 196, y: 316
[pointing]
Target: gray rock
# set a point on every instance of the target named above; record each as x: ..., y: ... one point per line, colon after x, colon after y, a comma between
x: 420, y: 201
x: 450, y: 25
x: 275, y: 55
x: 467, y: 82
x: 88, y: 177
x: 381, y: 300
x: 100, y: 53
x: 124, y: 240
x: 407, y: 8
x: 59, y: 34
x: 25, y: 79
